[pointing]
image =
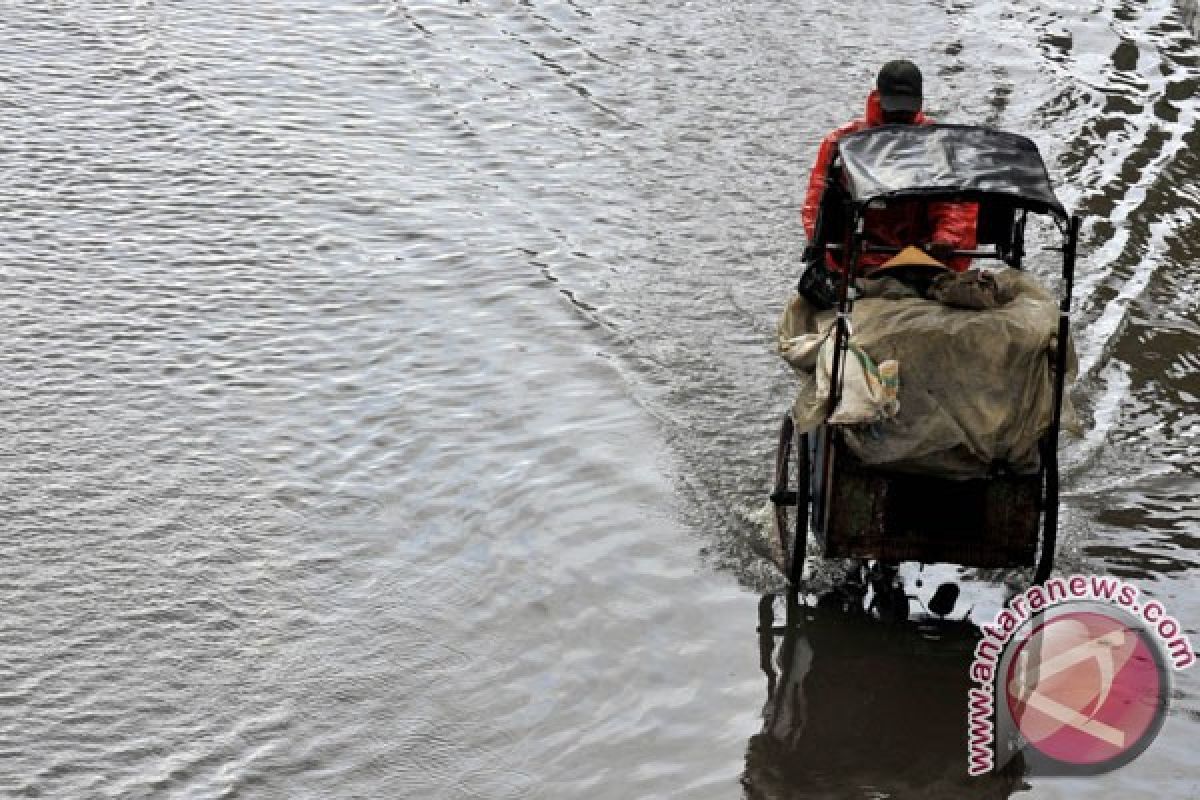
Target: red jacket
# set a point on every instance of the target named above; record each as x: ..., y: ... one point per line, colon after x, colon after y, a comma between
x: 903, y: 222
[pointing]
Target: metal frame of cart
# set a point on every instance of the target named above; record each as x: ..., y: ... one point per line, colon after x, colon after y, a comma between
x: 857, y: 511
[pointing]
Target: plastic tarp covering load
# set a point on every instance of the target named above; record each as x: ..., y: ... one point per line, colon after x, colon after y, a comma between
x: 975, y: 388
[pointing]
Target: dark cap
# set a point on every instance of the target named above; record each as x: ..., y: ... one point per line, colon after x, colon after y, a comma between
x: 899, y: 86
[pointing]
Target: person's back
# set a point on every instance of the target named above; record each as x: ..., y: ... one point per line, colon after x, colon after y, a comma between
x: 939, y: 227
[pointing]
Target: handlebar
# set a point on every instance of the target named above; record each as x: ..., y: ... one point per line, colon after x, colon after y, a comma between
x: 889, y: 250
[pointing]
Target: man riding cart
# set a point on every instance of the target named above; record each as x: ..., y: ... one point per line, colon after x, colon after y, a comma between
x: 926, y: 424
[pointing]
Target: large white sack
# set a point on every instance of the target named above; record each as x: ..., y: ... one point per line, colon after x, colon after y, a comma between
x: 976, y: 386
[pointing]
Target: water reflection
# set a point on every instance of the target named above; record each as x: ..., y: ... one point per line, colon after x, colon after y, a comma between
x: 864, y: 702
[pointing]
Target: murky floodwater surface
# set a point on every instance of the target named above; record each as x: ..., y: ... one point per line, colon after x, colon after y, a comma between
x: 389, y: 391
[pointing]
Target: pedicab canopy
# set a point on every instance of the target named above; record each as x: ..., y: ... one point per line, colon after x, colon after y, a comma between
x: 946, y: 161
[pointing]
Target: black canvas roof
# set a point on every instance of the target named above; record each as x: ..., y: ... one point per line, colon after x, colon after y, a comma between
x: 960, y: 160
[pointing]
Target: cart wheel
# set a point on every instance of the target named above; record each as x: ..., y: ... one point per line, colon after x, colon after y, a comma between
x: 791, y: 504
x: 1049, y: 513
x: 782, y: 496
x: 800, y: 540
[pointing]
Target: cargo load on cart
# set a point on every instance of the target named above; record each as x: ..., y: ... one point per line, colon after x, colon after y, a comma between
x: 963, y: 391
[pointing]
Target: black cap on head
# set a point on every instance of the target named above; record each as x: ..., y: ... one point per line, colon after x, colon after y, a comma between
x: 899, y: 86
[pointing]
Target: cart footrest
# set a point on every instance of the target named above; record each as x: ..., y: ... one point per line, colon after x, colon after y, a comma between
x: 785, y: 498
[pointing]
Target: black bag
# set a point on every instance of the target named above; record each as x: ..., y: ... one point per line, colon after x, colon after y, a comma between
x: 818, y: 284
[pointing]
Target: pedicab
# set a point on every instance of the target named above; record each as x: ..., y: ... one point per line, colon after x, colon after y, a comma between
x: 965, y: 494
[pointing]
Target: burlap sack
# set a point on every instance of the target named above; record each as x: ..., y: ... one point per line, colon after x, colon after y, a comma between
x: 975, y: 387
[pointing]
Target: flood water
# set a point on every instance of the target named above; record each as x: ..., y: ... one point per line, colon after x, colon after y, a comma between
x: 389, y: 390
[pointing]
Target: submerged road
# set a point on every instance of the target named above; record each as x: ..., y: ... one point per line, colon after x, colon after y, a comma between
x: 389, y: 389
